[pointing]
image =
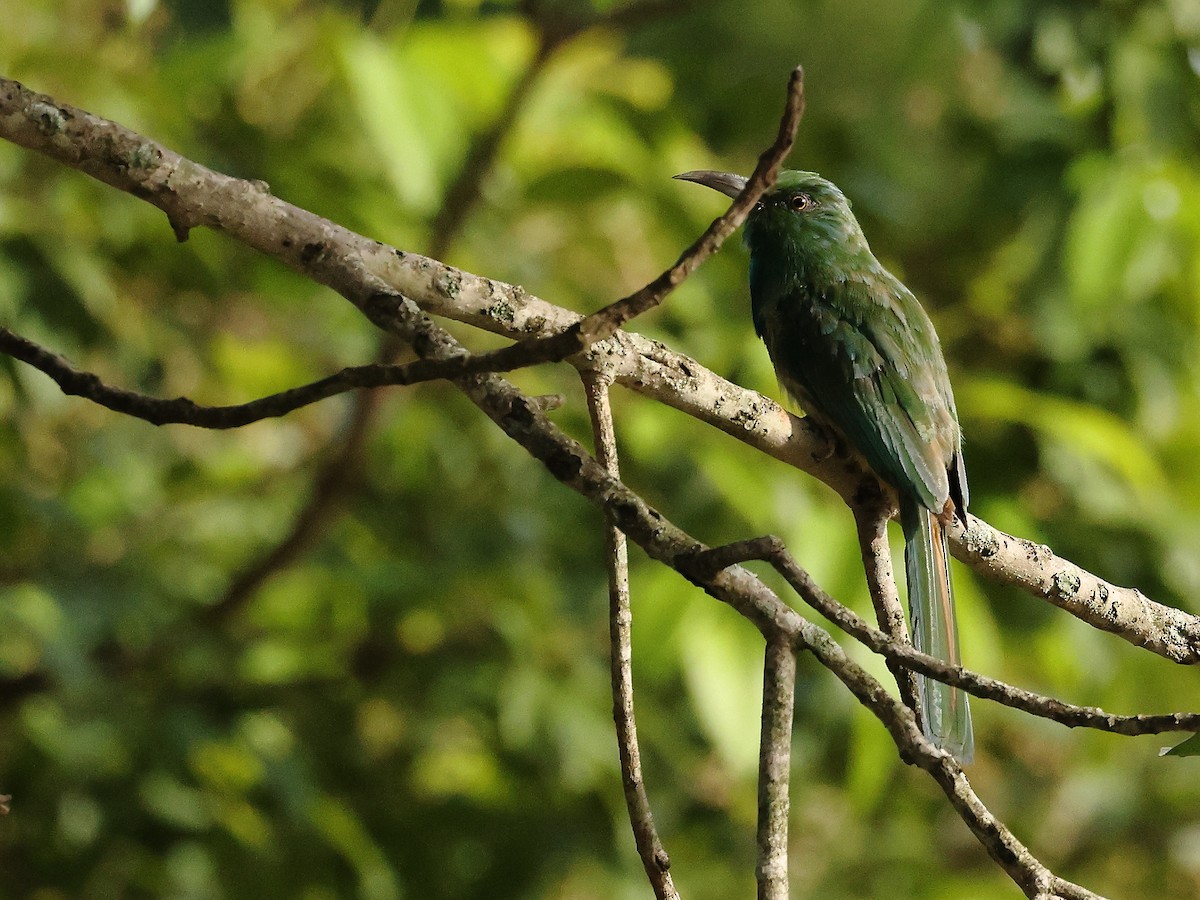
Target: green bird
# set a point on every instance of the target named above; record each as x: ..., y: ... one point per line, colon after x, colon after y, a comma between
x: 851, y: 344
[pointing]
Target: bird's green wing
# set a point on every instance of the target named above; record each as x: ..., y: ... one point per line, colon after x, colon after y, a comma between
x: 866, y: 360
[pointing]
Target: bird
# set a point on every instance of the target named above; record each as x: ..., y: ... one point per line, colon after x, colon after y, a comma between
x: 857, y: 352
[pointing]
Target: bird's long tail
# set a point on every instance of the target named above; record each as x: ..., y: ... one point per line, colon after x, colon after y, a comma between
x: 944, y: 710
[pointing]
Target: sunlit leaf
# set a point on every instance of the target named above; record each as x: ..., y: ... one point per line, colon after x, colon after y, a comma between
x: 723, y: 668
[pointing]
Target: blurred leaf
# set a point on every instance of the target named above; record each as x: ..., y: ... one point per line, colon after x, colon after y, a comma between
x: 1190, y: 747
x: 407, y: 124
x: 1085, y: 429
x: 174, y: 802
x: 345, y: 833
x: 575, y: 185
x: 723, y: 668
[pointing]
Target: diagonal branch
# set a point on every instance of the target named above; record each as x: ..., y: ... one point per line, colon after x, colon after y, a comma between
x: 337, y: 474
x: 770, y: 549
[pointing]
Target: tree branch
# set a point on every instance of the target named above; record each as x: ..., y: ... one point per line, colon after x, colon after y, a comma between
x: 774, y: 767
x: 338, y: 258
x: 770, y: 549
x: 192, y: 195
x: 1125, y: 612
x: 871, y: 516
x: 183, y: 411
x: 620, y: 626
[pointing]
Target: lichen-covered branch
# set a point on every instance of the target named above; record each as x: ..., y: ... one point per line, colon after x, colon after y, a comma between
x: 1035, y: 568
x: 192, y: 196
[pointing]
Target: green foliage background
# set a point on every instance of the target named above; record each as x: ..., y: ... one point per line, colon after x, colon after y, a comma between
x: 419, y: 708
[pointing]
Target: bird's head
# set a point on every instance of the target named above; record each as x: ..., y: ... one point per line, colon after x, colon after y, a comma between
x: 803, y: 211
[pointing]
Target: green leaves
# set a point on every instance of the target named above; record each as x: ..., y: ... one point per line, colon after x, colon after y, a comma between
x: 1133, y: 237
x: 1082, y: 428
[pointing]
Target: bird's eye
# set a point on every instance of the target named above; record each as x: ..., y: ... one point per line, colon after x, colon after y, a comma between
x: 801, y: 202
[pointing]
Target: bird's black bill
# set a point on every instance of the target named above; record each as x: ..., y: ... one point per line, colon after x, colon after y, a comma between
x: 726, y: 182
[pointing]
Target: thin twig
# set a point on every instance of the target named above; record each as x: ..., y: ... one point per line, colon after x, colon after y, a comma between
x: 774, y: 767
x: 771, y: 550
x: 654, y: 857
x: 182, y: 410
x: 603, y: 323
